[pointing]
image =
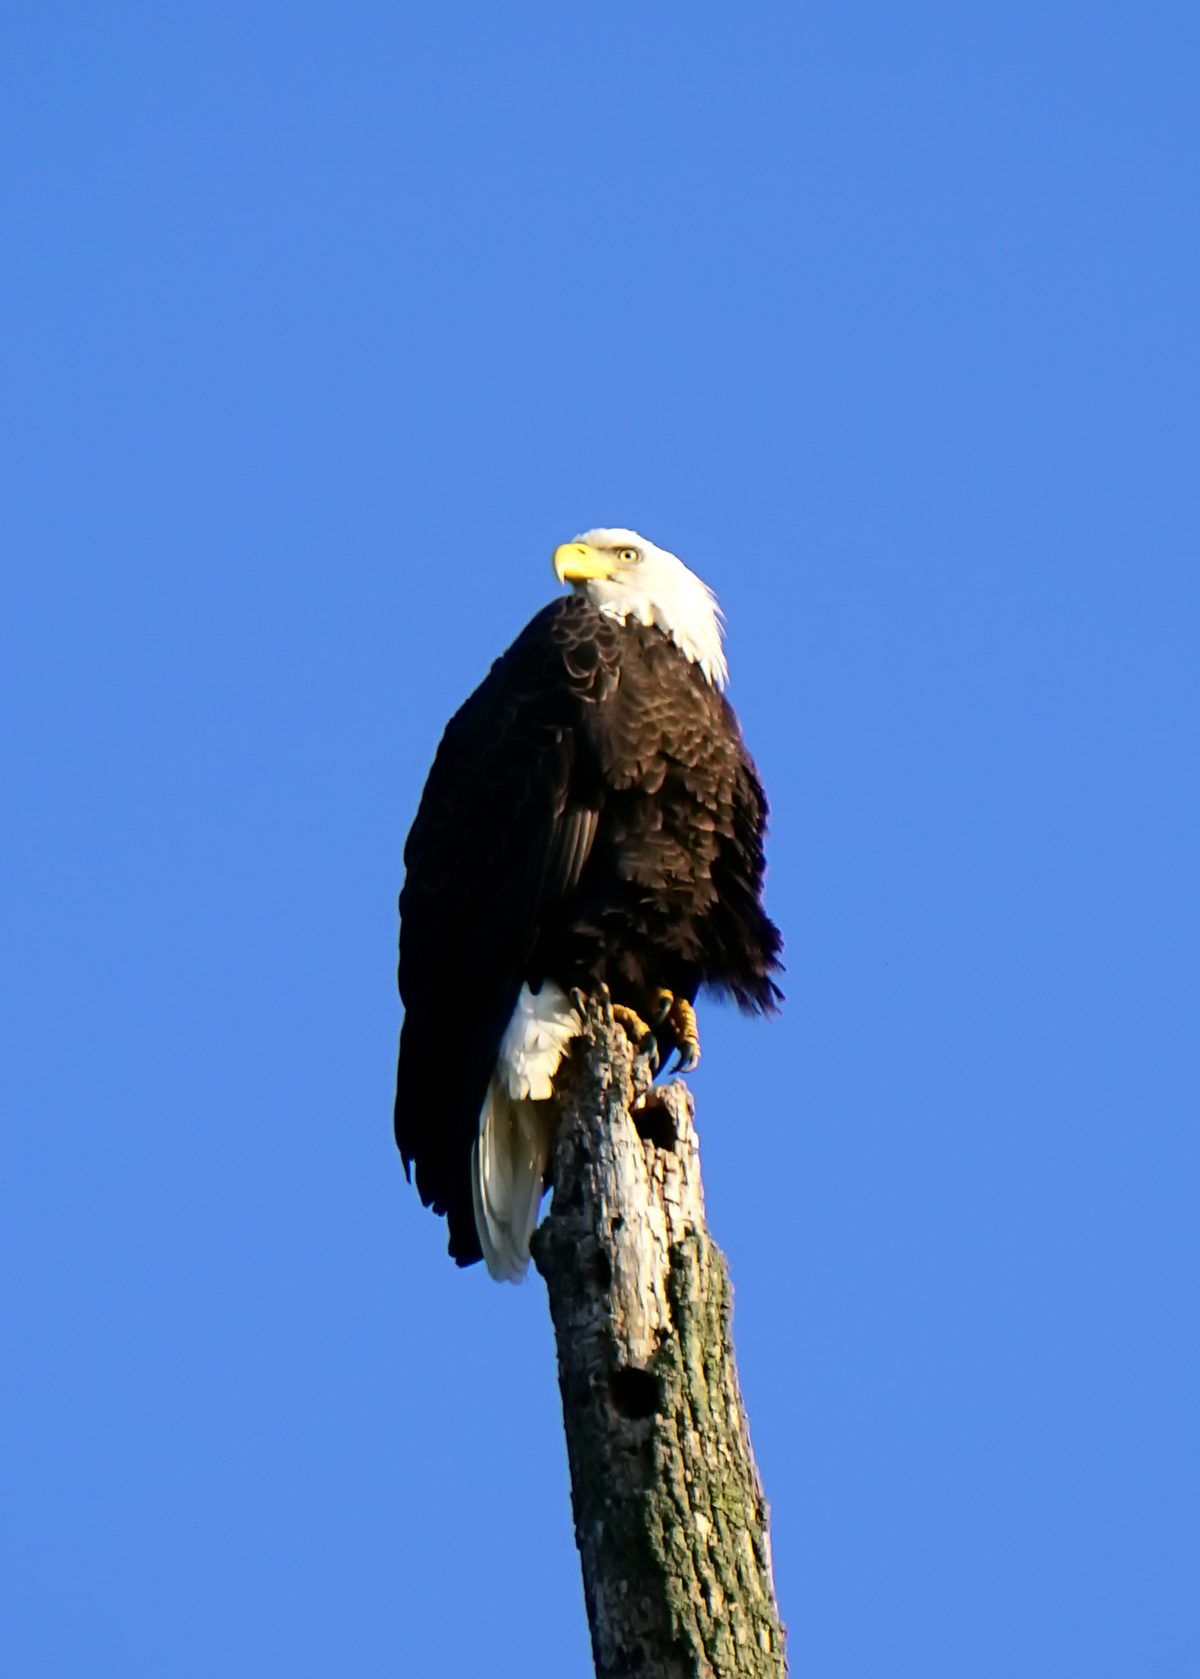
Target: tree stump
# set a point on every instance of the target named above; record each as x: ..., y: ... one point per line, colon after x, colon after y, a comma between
x: 670, y: 1517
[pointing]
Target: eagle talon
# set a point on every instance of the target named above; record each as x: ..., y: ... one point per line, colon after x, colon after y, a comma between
x: 680, y: 1016
x: 663, y: 1003
x: 606, y: 1002
x: 635, y: 1029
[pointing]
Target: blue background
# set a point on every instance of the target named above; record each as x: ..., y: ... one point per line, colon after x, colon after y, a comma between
x: 322, y: 327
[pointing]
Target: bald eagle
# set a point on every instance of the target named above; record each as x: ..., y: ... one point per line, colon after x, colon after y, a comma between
x: 592, y: 819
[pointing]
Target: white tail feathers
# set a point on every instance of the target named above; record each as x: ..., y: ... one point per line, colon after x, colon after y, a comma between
x: 511, y: 1153
x: 508, y: 1172
x: 542, y: 1025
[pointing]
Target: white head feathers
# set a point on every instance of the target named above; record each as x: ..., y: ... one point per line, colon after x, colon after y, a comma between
x: 628, y: 577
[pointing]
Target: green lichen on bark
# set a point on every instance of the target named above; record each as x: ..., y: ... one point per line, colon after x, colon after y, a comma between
x: 670, y: 1517
x: 706, y: 1514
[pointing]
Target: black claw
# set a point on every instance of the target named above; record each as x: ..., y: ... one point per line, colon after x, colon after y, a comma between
x: 605, y: 996
x: 687, y: 1059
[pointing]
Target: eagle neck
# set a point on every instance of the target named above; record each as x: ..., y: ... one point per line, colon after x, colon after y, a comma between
x: 698, y: 642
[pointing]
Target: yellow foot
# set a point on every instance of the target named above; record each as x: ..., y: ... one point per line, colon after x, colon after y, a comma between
x: 629, y: 1020
x: 631, y: 1023
x: 638, y: 1033
x: 679, y: 1015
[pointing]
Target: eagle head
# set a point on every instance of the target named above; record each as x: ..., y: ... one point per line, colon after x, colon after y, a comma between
x: 626, y: 576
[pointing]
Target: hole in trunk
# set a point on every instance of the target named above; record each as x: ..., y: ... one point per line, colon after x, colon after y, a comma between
x: 635, y: 1393
x: 653, y: 1123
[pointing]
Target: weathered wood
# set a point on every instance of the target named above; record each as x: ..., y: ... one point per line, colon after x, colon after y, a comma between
x: 670, y: 1516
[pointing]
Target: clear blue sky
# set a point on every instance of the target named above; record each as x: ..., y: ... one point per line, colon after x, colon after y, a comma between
x: 322, y: 326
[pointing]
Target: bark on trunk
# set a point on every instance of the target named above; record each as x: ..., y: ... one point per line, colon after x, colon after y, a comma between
x: 670, y: 1516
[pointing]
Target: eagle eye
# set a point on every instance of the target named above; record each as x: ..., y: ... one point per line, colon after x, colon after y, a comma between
x: 628, y: 556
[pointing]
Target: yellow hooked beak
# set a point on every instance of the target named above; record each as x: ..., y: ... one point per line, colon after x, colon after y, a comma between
x: 575, y: 562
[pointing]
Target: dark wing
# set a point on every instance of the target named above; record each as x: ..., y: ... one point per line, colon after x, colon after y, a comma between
x: 753, y: 939
x: 504, y: 828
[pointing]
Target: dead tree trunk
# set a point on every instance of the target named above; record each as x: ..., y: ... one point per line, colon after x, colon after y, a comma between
x: 670, y: 1517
